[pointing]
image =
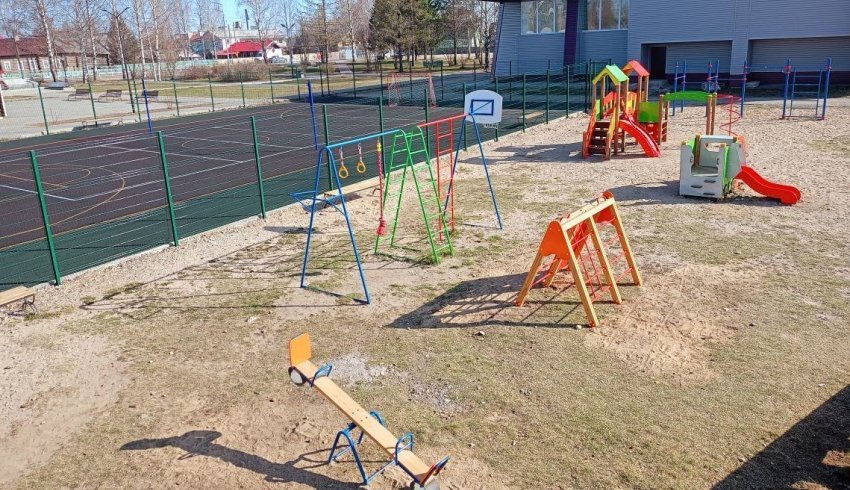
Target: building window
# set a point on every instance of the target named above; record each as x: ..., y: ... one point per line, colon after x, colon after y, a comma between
x: 7, y: 66
x: 544, y: 16
x: 603, y: 15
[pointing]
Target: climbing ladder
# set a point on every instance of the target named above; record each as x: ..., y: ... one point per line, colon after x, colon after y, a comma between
x: 444, y: 155
x: 405, y: 149
x: 805, y: 85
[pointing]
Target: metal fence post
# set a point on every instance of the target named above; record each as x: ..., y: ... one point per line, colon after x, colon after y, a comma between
x: 259, y: 168
x: 354, y: 78
x: 45, y: 219
x: 93, y: 110
x: 130, y: 91
x: 321, y: 82
x: 381, y: 78
x: 43, y: 111
x: 410, y: 82
x: 167, y: 181
x: 327, y: 142
x: 428, y: 128
x: 271, y: 85
x: 242, y: 89
x: 212, y: 98
x: 547, y: 96
x: 523, y: 102
x: 381, y: 126
x: 567, y: 92
x: 135, y: 95
x: 147, y: 107
x: 176, y: 100
x: 442, y: 84
x: 510, y: 80
x: 298, y: 86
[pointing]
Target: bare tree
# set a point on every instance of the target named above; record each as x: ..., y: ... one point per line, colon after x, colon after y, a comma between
x: 14, y: 21
x: 45, y: 20
x: 261, y: 12
x: 138, y: 14
x: 183, y: 11
x: 288, y: 16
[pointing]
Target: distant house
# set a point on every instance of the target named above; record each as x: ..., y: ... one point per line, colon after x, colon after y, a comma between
x: 253, y: 49
x: 32, y: 53
x: 536, y: 35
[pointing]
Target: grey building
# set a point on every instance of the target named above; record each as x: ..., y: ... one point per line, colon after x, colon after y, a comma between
x: 534, y: 35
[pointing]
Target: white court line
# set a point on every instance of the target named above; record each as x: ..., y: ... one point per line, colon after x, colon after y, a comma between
x: 34, y: 192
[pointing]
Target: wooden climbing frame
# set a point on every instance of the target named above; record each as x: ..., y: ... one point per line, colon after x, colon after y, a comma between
x: 576, y: 245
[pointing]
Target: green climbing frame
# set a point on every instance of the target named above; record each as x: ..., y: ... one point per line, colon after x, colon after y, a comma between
x: 406, y: 147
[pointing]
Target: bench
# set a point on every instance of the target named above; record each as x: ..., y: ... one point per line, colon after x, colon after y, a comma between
x: 150, y: 95
x: 110, y: 96
x: 19, y: 293
x: 80, y: 93
x: 303, y: 371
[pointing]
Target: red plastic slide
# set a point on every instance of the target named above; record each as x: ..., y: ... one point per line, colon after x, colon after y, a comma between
x: 642, y: 137
x: 787, y: 194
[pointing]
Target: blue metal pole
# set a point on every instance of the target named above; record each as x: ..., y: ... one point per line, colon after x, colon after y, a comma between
x: 787, y: 79
x: 675, y: 85
x: 313, y: 115
x: 147, y: 107
x: 744, y: 88
x: 826, y: 87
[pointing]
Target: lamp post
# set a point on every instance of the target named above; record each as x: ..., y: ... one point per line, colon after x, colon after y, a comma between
x: 116, y: 15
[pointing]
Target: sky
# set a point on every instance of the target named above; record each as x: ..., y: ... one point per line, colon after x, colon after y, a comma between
x: 232, y: 11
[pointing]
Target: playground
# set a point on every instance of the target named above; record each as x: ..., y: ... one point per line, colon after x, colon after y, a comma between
x: 725, y: 366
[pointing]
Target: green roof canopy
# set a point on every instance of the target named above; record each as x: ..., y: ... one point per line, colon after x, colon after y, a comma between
x: 614, y: 73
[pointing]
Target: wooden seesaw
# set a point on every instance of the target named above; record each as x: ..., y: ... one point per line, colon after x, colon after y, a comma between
x: 371, y: 424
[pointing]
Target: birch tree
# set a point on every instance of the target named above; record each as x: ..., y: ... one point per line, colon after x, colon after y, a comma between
x: 46, y: 23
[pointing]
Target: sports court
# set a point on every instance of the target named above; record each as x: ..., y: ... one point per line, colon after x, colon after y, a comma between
x: 106, y: 196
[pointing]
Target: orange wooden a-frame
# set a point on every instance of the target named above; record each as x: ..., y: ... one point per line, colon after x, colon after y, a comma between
x: 576, y: 245
x: 634, y: 67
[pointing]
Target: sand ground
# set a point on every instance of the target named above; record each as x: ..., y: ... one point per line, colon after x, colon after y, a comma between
x: 169, y: 369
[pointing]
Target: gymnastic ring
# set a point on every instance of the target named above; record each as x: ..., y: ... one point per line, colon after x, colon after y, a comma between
x: 343, y: 172
x: 361, y: 167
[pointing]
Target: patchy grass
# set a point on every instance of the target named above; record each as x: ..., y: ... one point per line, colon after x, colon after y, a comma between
x: 731, y: 357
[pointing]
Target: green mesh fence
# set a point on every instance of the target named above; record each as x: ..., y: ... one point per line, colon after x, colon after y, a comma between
x: 105, y: 195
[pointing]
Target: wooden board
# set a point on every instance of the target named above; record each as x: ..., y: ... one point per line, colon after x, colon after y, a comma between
x: 357, y: 414
x: 15, y: 294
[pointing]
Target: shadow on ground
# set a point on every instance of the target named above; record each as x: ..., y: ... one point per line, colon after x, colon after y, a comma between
x: 490, y: 301
x: 667, y: 192
x: 200, y: 443
x: 814, y: 453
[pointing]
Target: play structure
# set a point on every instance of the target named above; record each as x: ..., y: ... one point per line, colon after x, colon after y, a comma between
x: 409, y: 159
x: 615, y: 114
x: 302, y: 371
x: 806, y: 83
x: 709, y: 165
x: 713, y: 83
x: 417, y: 83
x: 580, y: 248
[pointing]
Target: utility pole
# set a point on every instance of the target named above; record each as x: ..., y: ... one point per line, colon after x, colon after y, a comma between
x: 18, y: 55
x: 115, y: 15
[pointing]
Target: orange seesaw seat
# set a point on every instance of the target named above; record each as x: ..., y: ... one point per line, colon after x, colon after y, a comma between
x: 300, y: 353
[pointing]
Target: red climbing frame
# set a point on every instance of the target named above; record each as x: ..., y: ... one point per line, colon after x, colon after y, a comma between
x: 445, y: 154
